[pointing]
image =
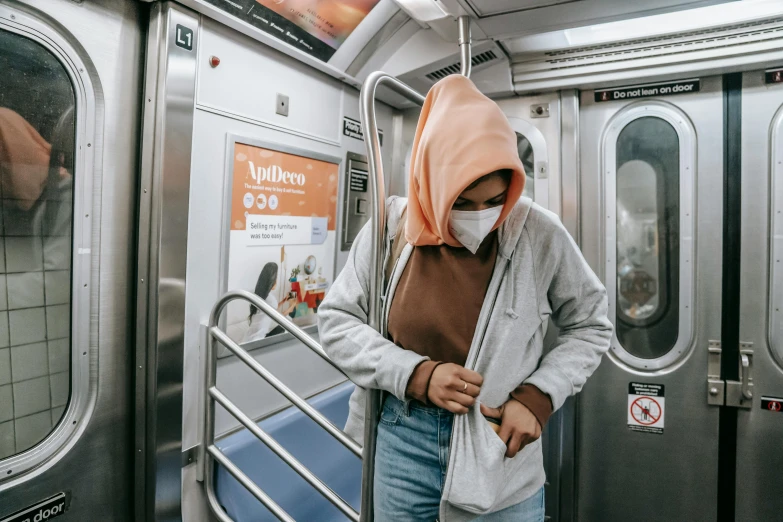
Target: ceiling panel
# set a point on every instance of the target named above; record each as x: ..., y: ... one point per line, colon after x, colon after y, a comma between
x: 484, y: 8
x: 527, y: 18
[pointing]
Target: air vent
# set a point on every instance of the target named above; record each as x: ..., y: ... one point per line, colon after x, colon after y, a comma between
x: 647, y: 56
x: 477, y: 61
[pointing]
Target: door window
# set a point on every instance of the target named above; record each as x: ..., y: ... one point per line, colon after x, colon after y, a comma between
x: 648, y: 242
x: 525, y: 150
x: 37, y: 136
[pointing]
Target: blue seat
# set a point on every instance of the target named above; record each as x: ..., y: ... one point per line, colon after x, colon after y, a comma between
x: 308, y: 443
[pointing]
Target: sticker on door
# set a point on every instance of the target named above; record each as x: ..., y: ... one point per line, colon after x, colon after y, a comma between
x: 646, y: 407
x: 773, y: 404
x: 42, y: 511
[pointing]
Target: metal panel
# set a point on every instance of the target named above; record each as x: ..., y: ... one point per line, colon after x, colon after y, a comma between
x: 499, y: 7
x: 356, y: 199
x: 620, y: 472
x: 170, y: 80
x: 93, y: 463
x: 569, y: 14
x: 761, y: 296
x: 543, y: 133
x: 257, y: 74
x: 565, y: 437
x: 569, y: 161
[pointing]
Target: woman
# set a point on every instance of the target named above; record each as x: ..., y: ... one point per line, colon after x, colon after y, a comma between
x: 480, y: 274
x: 260, y: 323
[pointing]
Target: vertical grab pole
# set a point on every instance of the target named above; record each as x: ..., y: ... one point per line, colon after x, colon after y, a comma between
x: 373, y: 397
x: 375, y: 164
x: 465, y: 42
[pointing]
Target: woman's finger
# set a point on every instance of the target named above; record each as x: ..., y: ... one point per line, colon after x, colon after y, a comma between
x: 455, y: 407
x: 470, y: 376
x: 495, y: 413
x: 465, y: 400
x: 514, y: 445
x: 471, y: 390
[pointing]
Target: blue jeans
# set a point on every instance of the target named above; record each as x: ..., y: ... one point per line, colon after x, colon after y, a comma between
x: 412, y: 454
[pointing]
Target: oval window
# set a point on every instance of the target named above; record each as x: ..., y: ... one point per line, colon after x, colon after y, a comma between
x: 37, y: 135
x: 648, y: 271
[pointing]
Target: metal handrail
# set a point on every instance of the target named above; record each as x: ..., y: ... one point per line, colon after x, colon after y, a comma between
x: 209, y: 452
x: 375, y: 167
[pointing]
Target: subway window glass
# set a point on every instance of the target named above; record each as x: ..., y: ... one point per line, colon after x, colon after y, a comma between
x: 525, y: 150
x: 37, y: 147
x: 648, y: 272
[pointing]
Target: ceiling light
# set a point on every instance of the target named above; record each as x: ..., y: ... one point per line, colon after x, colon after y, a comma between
x: 424, y: 10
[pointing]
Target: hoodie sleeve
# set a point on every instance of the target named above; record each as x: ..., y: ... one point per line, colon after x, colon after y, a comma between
x: 579, y: 306
x: 369, y: 359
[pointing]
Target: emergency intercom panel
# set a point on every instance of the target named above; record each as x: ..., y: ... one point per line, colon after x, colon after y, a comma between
x: 356, y: 207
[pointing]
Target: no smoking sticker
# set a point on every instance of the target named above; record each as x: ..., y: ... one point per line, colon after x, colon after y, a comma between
x: 646, y: 407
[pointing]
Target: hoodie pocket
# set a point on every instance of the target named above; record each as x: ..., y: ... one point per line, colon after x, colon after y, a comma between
x: 478, y: 462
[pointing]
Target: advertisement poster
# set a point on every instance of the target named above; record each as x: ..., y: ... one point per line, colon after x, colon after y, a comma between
x: 317, y: 27
x: 282, y: 238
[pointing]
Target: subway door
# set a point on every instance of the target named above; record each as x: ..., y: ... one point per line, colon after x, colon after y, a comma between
x: 536, y: 121
x: 69, y: 122
x: 651, y: 221
x: 760, y: 419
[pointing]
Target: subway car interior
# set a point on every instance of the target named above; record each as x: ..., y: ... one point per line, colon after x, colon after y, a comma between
x: 183, y: 181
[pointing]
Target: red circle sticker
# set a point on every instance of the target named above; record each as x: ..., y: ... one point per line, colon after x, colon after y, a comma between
x: 646, y: 411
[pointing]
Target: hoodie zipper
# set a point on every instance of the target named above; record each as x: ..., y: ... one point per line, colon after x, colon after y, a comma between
x: 485, y: 325
x: 472, y: 365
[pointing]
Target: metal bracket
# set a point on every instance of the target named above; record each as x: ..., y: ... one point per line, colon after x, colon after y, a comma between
x: 715, y: 385
x: 542, y: 170
x: 739, y: 394
x: 190, y: 455
x: 540, y: 110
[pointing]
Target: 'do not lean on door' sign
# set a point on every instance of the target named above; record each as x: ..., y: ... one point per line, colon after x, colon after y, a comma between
x: 42, y: 511
x: 648, y: 90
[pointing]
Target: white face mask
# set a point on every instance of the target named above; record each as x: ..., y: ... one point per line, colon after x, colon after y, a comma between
x: 470, y: 227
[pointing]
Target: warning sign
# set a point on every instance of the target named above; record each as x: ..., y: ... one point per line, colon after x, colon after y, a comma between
x: 774, y: 404
x: 645, y: 91
x: 646, y: 407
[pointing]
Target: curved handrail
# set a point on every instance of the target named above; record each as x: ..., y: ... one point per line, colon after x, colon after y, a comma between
x: 208, y: 452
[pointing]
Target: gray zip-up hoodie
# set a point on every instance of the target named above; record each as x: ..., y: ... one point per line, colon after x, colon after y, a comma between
x: 539, y: 273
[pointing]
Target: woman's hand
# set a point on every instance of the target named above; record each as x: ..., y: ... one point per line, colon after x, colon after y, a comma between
x: 454, y: 388
x: 518, y: 426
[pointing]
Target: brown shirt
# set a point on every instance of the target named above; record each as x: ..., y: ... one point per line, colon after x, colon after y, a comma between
x: 435, y: 310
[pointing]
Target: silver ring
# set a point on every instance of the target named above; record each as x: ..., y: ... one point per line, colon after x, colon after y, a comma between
x: 465, y: 388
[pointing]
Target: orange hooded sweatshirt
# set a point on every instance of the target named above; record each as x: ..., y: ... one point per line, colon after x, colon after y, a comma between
x: 461, y: 136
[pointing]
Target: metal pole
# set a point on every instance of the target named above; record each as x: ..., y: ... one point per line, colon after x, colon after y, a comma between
x: 375, y: 163
x: 464, y: 45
